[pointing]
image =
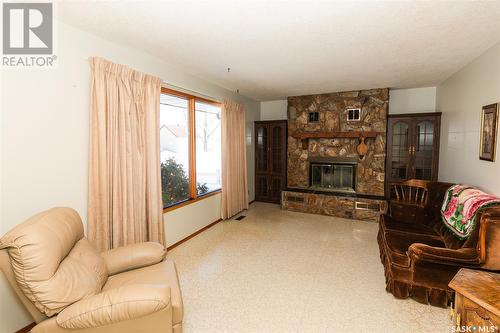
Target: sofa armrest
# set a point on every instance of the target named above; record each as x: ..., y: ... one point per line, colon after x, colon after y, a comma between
x: 439, y: 255
x: 115, y: 305
x: 133, y: 256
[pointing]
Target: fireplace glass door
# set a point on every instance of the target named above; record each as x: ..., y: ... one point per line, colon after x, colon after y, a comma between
x: 339, y: 177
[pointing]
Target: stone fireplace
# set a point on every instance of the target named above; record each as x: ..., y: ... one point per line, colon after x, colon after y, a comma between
x: 326, y: 174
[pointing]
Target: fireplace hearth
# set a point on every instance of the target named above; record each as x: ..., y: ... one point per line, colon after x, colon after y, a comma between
x: 332, y: 174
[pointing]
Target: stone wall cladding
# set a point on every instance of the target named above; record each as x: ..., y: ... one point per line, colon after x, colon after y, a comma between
x: 338, y: 206
x: 332, y: 110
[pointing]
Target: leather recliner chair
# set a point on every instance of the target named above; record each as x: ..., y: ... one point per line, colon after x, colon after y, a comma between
x: 67, y: 286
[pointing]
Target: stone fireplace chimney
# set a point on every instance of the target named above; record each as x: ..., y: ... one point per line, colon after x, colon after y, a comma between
x: 326, y: 174
x: 328, y: 113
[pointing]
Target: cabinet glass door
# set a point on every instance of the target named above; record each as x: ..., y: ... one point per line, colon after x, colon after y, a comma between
x: 277, y: 149
x: 423, y: 149
x: 276, y: 186
x: 400, y: 150
x: 261, y: 150
x: 262, y: 187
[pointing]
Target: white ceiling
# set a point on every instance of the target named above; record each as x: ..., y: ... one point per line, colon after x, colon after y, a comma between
x: 284, y: 48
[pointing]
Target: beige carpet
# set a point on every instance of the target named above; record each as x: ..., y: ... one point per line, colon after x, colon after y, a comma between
x: 280, y: 271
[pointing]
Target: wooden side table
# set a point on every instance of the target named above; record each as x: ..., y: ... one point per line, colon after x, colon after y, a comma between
x: 477, y: 301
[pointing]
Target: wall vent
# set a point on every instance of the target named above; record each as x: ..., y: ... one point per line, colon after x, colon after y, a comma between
x: 367, y: 206
x: 353, y: 114
x: 293, y: 198
x: 314, y: 117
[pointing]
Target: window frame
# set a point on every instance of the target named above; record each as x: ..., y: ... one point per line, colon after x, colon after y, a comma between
x: 193, y: 195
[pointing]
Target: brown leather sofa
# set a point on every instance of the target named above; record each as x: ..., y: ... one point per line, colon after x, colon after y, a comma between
x: 67, y: 286
x: 420, y: 256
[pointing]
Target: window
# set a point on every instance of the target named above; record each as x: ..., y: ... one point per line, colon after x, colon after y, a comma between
x: 208, y: 147
x: 174, y: 148
x: 190, y: 147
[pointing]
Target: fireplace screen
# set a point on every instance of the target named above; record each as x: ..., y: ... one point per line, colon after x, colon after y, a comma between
x: 332, y: 176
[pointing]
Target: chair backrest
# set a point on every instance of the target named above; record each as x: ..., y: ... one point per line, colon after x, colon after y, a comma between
x: 52, y: 263
x: 412, y: 191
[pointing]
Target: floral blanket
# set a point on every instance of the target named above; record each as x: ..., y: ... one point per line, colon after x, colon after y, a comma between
x: 460, y: 207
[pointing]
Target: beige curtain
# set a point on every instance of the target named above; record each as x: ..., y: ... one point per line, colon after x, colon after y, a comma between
x: 234, y: 160
x: 125, y: 204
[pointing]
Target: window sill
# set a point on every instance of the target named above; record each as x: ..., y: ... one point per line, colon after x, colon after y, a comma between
x: 190, y: 201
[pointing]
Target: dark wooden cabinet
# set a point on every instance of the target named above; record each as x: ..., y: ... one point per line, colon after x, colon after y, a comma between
x: 412, y: 147
x: 270, y: 160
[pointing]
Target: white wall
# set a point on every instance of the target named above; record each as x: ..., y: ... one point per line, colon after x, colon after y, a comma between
x: 44, y: 139
x: 274, y: 110
x: 414, y: 100
x: 12, y: 315
x: 181, y: 222
x: 460, y: 99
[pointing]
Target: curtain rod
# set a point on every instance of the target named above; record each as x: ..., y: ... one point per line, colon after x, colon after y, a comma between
x: 181, y: 89
x: 191, y: 92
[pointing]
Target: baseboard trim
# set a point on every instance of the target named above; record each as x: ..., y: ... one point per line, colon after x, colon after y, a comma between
x: 192, y: 235
x: 251, y: 202
x: 26, y: 329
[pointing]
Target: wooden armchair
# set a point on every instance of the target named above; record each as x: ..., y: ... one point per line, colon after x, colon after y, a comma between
x: 408, y: 198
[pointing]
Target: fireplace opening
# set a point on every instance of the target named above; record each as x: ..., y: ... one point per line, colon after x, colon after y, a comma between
x: 333, y: 176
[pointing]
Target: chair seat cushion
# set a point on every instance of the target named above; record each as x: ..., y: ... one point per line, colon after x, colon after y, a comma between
x: 389, y: 223
x: 397, y: 245
x: 163, y: 273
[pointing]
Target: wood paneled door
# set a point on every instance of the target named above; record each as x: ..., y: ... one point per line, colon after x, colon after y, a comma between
x: 412, y: 147
x: 270, y: 160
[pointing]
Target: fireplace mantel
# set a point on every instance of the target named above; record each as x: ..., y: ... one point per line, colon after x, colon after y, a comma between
x: 305, y: 136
